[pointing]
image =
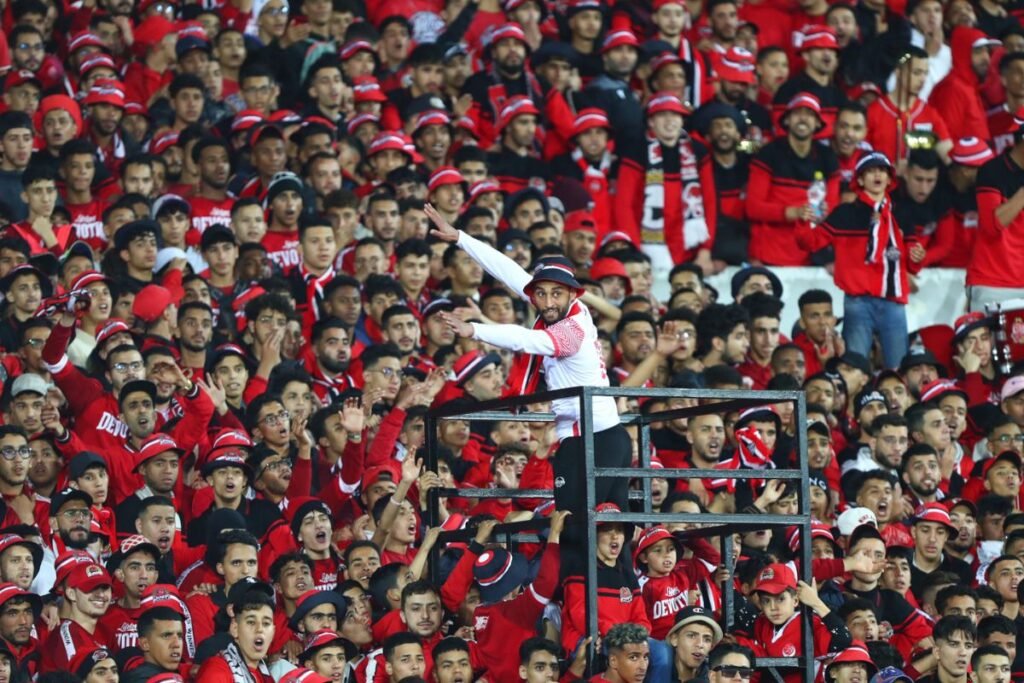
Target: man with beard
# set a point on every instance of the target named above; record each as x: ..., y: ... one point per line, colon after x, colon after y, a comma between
x: 211, y: 204
x: 157, y: 460
x: 328, y: 364
x: 792, y: 181
x: 920, y: 473
x: 21, y: 561
x: 135, y: 567
x: 195, y: 334
x: 723, y: 335
x: 723, y: 127
x: 819, y: 50
x: 517, y: 163
x: 19, y: 611
x: 105, y: 107
x: 963, y: 515
x: 565, y: 342
x: 16, y: 144
x: 505, y: 77
x: 426, y: 68
x: 401, y: 328
x: 675, y: 222
x: 911, y: 627
x: 610, y: 92
x: 931, y: 528
x: 636, y: 334
x: 591, y: 162
x: 326, y: 89
x: 735, y: 69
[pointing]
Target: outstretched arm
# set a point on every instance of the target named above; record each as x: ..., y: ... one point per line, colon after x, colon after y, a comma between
x: 562, y: 339
x: 498, y: 265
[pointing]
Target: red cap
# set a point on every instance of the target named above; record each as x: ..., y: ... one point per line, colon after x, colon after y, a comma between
x: 814, y: 37
x: 95, y: 61
x: 775, y: 579
x: 856, y: 653
x: 966, y: 323
x: 445, y: 175
x: 88, y: 577
x: 514, y: 31
x: 666, y: 101
x: 432, y: 117
x: 649, y: 537
x: 68, y: 561
x: 936, y: 389
x: 155, y: 445
x: 616, y: 236
x: 353, y: 125
x: 151, y: 302
x: 937, y: 513
x: 135, y: 109
x: 481, y: 188
x: 610, y: 267
x: 384, y: 141
x: 618, y: 39
x: 150, y: 32
x: 971, y: 152
x: 367, y: 89
x: 86, y: 278
x: 162, y: 595
x: 520, y: 105
x: 110, y: 328
x: 16, y: 78
x: 85, y: 39
x: 246, y: 119
x: 1009, y: 456
x: 737, y: 66
x: 163, y: 141
x: 591, y: 117
x: 230, y: 438
x: 351, y: 48
x: 106, y: 91
x: 580, y: 219
x: 388, y: 472
x: 302, y: 675
x: 9, y: 591
x: 804, y: 100
x: 286, y: 117
x: 658, y: 4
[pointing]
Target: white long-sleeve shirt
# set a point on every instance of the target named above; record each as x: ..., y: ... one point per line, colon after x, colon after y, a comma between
x: 570, y: 347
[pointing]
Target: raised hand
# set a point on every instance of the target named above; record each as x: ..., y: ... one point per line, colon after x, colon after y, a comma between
x: 670, y: 338
x: 460, y: 327
x: 484, y: 530
x: 352, y: 417
x: 443, y: 230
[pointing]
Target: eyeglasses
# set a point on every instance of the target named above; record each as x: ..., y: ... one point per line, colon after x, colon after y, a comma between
x: 275, y: 11
x: 135, y: 365
x: 10, y: 452
x: 277, y: 464
x: 77, y: 513
x: 273, y: 420
x: 1007, y: 438
x: 35, y: 47
x: 744, y: 672
x: 257, y: 89
x: 388, y: 372
x: 35, y: 343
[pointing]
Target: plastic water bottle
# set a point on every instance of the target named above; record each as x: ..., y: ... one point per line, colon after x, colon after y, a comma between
x: 816, y: 197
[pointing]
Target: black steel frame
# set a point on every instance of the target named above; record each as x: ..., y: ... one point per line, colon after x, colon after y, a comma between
x: 722, y: 525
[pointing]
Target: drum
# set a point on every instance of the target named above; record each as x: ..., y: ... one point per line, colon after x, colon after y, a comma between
x: 1008, y: 332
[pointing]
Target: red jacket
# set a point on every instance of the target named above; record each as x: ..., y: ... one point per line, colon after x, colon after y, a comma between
x: 778, y: 179
x: 957, y: 97
x: 619, y: 600
x: 998, y: 247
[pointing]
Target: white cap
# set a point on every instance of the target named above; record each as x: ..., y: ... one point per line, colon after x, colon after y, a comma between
x: 853, y: 518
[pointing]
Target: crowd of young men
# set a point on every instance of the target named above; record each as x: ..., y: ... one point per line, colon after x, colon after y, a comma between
x: 245, y: 247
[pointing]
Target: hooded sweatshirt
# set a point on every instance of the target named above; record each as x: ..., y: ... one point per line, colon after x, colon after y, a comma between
x: 957, y: 96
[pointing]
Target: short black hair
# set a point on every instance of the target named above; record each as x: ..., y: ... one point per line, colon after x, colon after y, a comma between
x: 148, y: 619
x: 185, y: 82
x: 536, y: 644
x: 717, y: 321
x: 947, y: 626
x: 397, y: 640
x: 283, y: 560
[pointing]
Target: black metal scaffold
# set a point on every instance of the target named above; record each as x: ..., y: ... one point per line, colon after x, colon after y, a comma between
x: 711, y: 524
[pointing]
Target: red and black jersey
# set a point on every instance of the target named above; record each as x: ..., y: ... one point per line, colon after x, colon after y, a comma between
x: 871, y: 254
x: 1001, y: 128
x: 963, y: 213
x: 490, y: 92
x: 830, y: 97
x: 619, y: 600
x: 597, y: 178
x: 780, y: 178
x: 930, y: 221
x: 768, y: 640
x: 998, y: 246
x: 898, y: 621
x: 515, y: 172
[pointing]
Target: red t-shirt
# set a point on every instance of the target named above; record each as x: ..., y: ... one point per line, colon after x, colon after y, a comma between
x: 283, y: 248
x: 87, y: 220
x: 206, y: 212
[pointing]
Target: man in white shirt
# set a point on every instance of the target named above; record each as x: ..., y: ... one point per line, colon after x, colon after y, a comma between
x: 565, y: 338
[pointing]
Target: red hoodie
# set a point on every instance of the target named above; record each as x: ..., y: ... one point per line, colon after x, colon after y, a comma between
x: 957, y: 97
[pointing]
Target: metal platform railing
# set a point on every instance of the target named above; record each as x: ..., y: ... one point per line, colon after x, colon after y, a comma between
x: 711, y: 524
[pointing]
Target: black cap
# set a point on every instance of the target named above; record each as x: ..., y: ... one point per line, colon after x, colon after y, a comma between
x: 83, y: 461
x: 26, y: 269
x: 305, y: 605
x: 855, y: 360
x: 129, y: 231
x: 920, y: 357
x: 59, y: 499
x: 552, y: 50
x: 745, y: 274
x: 866, y: 396
x: 247, y: 586
x: 143, y: 385
x: 702, y: 118
x: 217, y: 234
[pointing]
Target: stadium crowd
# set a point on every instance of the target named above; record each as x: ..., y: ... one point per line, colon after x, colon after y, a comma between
x: 245, y: 245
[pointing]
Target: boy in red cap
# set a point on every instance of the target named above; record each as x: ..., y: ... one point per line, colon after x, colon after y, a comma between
x: 88, y: 595
x: 775, y: 633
